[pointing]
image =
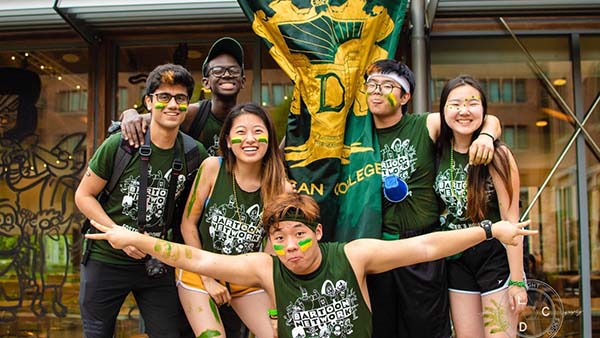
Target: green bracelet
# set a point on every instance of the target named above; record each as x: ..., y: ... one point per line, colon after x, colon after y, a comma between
x: 488, y: 134
x: 517, y: 283
x: 273, y: 313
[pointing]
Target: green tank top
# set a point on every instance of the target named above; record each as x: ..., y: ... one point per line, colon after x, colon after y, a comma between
x: 230, y: 223
x: 451, y: 187
x: 408, y: 152
x: 326, y: 303
x: 122, y: 203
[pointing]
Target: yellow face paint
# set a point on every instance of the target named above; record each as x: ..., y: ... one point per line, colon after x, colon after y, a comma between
x: 264, y: 138
x: 159, y: 105
x: 279, y: 249
x: 235, y: 140
x: 305, y: 244
x: 392, y: 99
x: 183, y: 107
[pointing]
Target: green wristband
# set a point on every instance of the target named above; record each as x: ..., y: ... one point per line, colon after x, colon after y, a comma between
x: 273, y: 313
x: 517, y: 283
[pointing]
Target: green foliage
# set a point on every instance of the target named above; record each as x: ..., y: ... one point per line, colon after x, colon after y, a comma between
x: 495, y: 318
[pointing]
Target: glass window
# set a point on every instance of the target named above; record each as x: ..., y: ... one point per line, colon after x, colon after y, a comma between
x: 507, y: 90
x: 43, y: 123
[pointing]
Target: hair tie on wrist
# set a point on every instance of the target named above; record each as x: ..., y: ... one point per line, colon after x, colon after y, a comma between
x: 488, y: 134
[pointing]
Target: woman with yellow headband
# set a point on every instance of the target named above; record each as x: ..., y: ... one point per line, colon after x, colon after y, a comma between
x: 223, y: 216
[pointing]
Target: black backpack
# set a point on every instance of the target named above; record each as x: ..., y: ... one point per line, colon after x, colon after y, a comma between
x: 123, y: 156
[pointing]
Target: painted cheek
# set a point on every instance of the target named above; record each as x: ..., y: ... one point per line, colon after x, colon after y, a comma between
x: 236, y: 140
x: 183, y: 107
x: 279, y: 249
x: 160, y: 105
x: 392, y: 99
x: 264, y: 138
x: 305, y: 244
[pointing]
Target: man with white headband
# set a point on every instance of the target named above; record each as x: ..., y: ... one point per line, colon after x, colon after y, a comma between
x: 410, y: 301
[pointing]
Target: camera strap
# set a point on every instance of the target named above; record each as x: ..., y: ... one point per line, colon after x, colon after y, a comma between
x: 145, y: 152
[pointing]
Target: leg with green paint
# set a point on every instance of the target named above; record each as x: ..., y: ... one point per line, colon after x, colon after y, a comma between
x: 202, y: 313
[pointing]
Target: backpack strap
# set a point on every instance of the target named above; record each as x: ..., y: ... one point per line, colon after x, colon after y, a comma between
x: 145, y: 152
x: 122, y: 158
x: 192, y: 154
x: 200, y: 119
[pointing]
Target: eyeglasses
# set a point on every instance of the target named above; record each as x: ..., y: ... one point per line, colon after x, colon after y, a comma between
x: 385, y: 88
x: 472, y: 103
x: 219, y: 71
x: 166, y: 97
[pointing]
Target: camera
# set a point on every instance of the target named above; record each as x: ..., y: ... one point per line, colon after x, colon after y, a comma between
x: 155, y: 268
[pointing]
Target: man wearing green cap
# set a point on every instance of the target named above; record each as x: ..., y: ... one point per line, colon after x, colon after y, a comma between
x: 223, y: 74
x: 320, y: 289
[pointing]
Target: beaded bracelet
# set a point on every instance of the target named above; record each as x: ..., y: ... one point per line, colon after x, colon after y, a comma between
x: 517, y: 283
x: 488, y: 134
x: 273, y: 313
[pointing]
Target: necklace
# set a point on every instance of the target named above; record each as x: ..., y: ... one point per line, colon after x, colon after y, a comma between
x: 464, y: 190
x: 235, y: 199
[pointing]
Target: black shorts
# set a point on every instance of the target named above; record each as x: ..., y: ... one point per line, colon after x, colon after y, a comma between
x: 411, y: 301
x: 482, y: 269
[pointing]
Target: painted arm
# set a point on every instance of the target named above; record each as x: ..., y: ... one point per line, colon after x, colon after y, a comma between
x: 86, y: 200
x: 510, y: 211
x: 201, y: 190
x: 251, y: 269
x: 376, y: 256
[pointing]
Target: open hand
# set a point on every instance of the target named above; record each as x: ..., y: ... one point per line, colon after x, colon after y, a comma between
x: 116, y: 235
x: 509, y: 233
x: 133, y: 127
x: 481, y: 150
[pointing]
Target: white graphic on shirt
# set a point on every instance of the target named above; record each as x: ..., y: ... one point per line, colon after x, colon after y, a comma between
x: 453, y: 191
x: 233, y: 234
x: 400, y: 159
x: 156, y: 197
x: 325, y: 314
x: 213, y: 149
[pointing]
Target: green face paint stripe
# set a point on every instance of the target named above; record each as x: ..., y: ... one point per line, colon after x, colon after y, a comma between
x: 209, y: 334
x: 392, y: 99
x: 215, y: 310
x: 159, y: 105
x: 235, y: 140
x: 305, y: 244
x: 279, y: 249
x: 193, y: 198
x: 263, y: 138
x: 183, y: 107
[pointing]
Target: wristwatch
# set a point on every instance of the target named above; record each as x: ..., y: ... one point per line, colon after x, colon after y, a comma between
x: 486, y: 224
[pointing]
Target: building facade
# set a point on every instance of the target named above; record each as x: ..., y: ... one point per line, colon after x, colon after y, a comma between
x: 68, y: 67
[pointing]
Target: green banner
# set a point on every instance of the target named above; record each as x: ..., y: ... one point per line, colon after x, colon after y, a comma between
x: 324, y: 46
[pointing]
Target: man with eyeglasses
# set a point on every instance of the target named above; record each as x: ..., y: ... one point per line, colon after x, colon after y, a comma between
x: 223, y: 74
x: 411, y: 301
x: 154, y: 178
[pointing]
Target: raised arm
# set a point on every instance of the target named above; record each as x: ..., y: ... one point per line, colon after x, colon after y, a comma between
x: 482, y: 148
x: 253, y: 269
x: 134, y: 124
x: 376, y: 256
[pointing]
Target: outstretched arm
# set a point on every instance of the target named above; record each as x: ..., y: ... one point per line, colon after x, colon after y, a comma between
x: 376, y: 256
x: 249, y: 269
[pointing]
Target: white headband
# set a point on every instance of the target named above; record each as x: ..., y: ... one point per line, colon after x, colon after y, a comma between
x: 399, y: 79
